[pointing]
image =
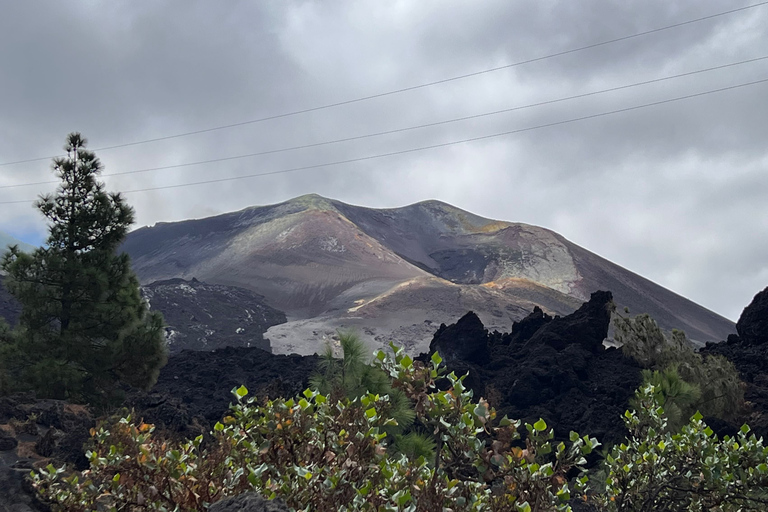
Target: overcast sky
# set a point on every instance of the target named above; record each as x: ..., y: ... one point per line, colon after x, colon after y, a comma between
x: 675, y: 192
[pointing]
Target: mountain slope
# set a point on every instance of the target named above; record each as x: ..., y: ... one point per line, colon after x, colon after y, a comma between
x: 301, y: 255
x: 392, y: 273
x: 468, y: 249
x: 7, y: 240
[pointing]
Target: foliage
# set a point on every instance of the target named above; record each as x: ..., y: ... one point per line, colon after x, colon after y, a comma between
x: 690, y: 470
x: 7, y: 358
x: 676, y: 396
x: 321, y: 454
x: 712, y: 383
x: 352, y: 376
x: 84, y: 325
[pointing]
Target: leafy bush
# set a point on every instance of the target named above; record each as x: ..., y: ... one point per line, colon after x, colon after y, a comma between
x: 690, y: 470
x: 322, y: 454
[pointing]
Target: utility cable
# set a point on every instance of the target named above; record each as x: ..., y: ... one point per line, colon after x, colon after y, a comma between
x: 406, y: 89
x: 408, y: 128
x: 435, y: 146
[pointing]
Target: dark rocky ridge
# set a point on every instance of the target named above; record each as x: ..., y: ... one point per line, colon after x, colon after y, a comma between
x: 199, y: 316
x: 752, y: 326
x: 551, y: 368
x: 748, y: 351
x: 203, y: 316
x: 193, y: 390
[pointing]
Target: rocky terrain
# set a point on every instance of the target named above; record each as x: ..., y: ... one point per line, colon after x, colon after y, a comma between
x: 192, y: 393
x: 394, y: 273
x: 194, y: 389
x: 748, y: 350
x: 556, y: 368
x: 201, y: 316
x: 551, y: 368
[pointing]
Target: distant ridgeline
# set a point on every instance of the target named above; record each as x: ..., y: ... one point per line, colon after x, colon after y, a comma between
x: 7, y: 240
x: 392, y: 274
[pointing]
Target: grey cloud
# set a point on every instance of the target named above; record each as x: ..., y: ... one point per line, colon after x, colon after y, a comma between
x: 643, y: 188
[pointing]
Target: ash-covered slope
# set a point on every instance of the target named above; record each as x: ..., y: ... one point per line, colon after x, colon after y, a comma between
x: 390, y: 273
x: 201, y: 316
x: 468, y: 249
x: 302, y: 255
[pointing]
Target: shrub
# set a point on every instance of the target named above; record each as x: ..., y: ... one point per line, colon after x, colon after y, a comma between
x: 689, y: 470
x: 322, y: 454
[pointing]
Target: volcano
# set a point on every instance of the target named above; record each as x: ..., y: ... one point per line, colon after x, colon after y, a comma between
x: 395, y: 274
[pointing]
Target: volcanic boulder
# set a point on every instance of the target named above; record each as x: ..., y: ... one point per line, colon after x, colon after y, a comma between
x: 466, y: 340
x: 587, y: 326
x: 753, y: 322
x: 749, y: 353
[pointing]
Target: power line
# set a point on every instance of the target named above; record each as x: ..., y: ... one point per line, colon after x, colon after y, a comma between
x: 408, y: 128
x: 406, y: 89
x: 435, y: 146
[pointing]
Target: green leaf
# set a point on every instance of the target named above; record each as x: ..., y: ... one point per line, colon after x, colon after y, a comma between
x: 218, y: 427
x: 436, y: 359
x: 745, y: 429
x: 574, y: 436
x: 404, y: 498
x: 241, y: 391
x: 370, y: 413
x: 540, y: 425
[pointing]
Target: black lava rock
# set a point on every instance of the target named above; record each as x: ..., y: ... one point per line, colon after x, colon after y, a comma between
x: 466, y: 340
x: 551, y: 368
x: 753, y: 322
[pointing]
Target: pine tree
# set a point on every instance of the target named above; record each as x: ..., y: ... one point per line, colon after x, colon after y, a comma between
x: 84, y: 326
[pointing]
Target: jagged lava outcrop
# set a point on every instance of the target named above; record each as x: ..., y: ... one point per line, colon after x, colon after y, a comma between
x: 393, y: 274
x: 553, y: 368
x: 748, y: 351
